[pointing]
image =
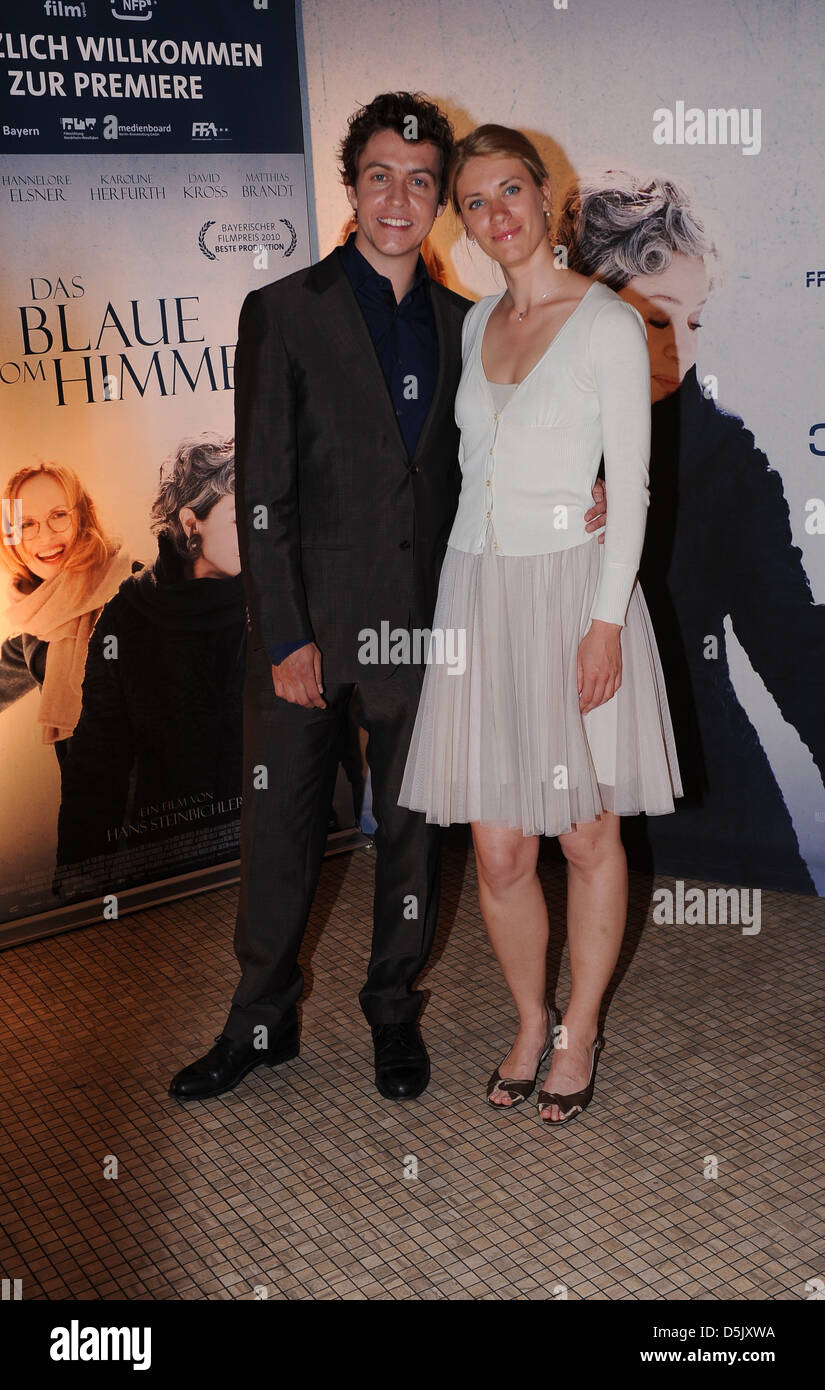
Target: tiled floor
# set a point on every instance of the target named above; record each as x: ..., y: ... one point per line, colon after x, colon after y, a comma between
x: 302, y: 1184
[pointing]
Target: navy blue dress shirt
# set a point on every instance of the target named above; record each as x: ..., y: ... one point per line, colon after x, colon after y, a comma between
x: 406, y: 343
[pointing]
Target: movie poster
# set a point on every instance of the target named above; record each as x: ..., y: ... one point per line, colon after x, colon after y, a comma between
x: 152, y: 174
x: 684, y: 173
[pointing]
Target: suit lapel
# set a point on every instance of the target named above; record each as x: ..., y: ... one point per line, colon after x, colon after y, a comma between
x: 345, y: 326
x: 443, y: 350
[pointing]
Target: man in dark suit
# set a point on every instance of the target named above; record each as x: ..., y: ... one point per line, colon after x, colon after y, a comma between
x: 347, y: 483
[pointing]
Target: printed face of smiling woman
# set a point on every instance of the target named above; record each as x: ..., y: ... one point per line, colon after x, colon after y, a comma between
x: 44, y: 501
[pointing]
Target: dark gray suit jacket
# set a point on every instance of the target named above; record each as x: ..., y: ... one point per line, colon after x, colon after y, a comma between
x: 339, y: 528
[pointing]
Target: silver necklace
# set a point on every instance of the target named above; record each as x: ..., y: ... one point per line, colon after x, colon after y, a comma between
x: 522, y: 316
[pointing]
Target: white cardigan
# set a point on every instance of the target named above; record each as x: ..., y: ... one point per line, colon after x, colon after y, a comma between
x: 528, y: 469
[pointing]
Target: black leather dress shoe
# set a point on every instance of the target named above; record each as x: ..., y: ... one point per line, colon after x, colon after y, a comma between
x: 402, y: 1067
x: 228, y: 1063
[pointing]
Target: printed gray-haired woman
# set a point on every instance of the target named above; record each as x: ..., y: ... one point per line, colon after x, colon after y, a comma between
x: 167, y: 712
x: 718, y: 545
x: 194, y: 509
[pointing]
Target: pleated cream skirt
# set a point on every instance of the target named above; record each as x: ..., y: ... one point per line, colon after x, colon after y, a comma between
x: 503, y: 741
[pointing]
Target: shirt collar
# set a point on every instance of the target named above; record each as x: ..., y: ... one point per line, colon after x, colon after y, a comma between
x: 360, y: 272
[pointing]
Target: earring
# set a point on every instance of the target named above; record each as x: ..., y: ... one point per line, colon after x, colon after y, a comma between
x: 194, y: 545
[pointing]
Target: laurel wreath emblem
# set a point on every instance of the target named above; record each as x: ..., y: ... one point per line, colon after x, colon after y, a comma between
x: 289, y: 250
x: 202, y: 241
x: 210, y: 255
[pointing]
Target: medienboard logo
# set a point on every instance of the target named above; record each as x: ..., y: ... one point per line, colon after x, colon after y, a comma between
x: 78, y: 127
x: 132, y: 9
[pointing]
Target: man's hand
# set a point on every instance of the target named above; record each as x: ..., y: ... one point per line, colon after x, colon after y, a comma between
x: 597, y: 515
x: 298, y: 678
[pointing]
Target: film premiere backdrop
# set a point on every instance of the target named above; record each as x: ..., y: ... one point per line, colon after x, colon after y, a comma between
x: 723, y: 102
x: 121, y: 291
x: 153, y: 172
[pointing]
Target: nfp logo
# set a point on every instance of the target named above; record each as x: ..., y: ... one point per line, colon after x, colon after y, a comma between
x: 132, y: 9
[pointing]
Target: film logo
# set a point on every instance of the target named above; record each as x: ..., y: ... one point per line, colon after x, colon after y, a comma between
x: 62, y: 9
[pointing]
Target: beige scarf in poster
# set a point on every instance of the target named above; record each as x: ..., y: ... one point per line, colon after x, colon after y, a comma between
x: 63, y: 611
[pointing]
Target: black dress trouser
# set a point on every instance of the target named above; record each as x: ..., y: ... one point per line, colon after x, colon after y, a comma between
x: 283, y: 835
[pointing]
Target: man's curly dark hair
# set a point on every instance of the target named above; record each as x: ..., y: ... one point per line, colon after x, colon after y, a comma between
x: 391, y: 111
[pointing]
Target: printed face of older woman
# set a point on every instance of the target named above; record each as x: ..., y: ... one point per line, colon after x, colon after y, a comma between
x: 49, y: 526
x: 219, y: 557
x: 671, y: 305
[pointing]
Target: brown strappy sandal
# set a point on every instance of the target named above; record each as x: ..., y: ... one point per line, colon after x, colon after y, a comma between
x: 577, y: 1101
x: 519, y: 1091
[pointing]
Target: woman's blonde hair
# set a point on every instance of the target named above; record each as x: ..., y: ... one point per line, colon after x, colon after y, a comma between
x: 91, y: 546
x: 493, y: 140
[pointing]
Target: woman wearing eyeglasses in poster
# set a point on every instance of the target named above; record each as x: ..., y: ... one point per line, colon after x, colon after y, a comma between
x: 718, y: 543
x: 63, y: 570
x: 157, y: 750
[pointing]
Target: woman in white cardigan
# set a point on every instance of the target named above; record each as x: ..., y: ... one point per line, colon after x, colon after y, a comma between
x: 558, y: 723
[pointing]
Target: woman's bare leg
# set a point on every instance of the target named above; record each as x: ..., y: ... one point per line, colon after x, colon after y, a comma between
x: 515, y: 914
x: 596, y: 919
